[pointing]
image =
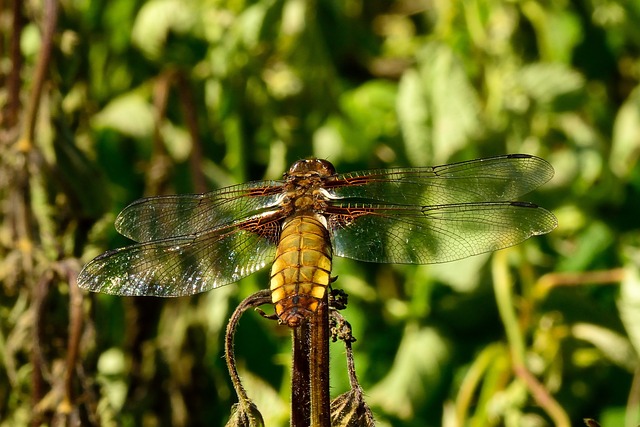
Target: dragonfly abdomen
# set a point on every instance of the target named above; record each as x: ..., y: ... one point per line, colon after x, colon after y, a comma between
x: 301, y: 271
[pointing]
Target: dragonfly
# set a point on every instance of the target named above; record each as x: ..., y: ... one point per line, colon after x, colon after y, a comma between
x: 191, y: 243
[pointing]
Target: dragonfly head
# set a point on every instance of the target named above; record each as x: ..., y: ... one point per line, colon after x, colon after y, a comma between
x: 309, y: 167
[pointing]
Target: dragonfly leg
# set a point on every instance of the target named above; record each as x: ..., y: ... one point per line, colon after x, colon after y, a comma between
x: 265, y: 315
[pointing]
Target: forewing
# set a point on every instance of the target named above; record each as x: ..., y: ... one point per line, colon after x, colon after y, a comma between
x: 157, y: 218
x: 499, y: 178
x: 186, y: 265
x: 415, y: 235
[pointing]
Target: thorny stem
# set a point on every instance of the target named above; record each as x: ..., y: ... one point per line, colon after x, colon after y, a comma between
x: 348, y: 409
x: 301, y: 376
x: 257, y: 299
x: 319, y: 366
x: 310, y: 399
x: 344, y: 333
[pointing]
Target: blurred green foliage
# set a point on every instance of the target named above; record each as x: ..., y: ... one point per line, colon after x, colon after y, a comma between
x: 165, y: 96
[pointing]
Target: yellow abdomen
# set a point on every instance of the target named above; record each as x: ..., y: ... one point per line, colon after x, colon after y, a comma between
x: 301, y: 271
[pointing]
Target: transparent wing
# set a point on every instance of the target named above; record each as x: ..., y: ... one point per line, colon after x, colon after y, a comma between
x: 185, y: 265
x: 499, y: 178
x: 433, y: 234
x: 157, y: 218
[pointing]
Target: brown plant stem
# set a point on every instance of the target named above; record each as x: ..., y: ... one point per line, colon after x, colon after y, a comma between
x: 70, y: 273
x: 310, y: 399
x: 319, y: 367
x: 552, y: 280
x: 9, y: 117
x: 40, y: 294
x: 42, y: 68
x: 301, y: 376
x: 542, y: 397
x: 159, y: 164
x: 190, y: 113
x: 503, y: 288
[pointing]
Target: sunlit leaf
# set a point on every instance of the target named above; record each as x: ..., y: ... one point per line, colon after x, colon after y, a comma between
x: 177, y: 141
x: 613, y: 346
x: 450, y: 103
x: 625, y: 149
x: 629, y: 305
x: 112, y: 367
x: 590, y: 244
x: 413, y: 116
x: 551, y: 83
x: 415, y: 375
x: 131, y: 114
x: 156, y: 19
x: 557, y: 30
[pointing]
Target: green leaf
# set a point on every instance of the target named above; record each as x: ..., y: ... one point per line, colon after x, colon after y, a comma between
x: 613, y: 346
x: 368, y: 120
x: 629, y: 305
x: 450, y: 104
x: 130, y: 114
x: 156, y: 19
x: 551, y: 84
x: 558, y: 31
x: 590, y: 245
x: 177, y: 140
x: 112, y: 366
x: 413, y: 117
x: 416, y: 374
x: 626, y: 136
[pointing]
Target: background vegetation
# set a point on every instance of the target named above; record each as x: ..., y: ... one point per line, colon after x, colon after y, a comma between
x: 103, y: 102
